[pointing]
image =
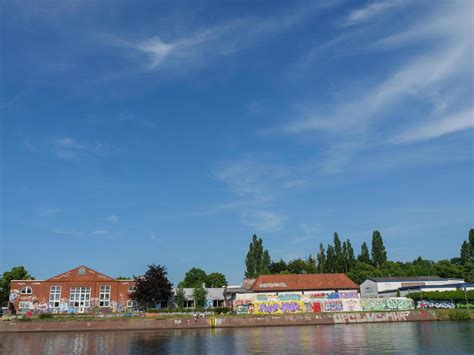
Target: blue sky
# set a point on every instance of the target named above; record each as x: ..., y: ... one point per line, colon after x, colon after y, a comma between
x: 169, y: 132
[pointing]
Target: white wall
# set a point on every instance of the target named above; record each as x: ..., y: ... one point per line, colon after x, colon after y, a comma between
x: 368, y: 288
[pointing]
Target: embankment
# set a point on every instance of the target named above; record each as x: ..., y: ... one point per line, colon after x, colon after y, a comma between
x: 217, y: 321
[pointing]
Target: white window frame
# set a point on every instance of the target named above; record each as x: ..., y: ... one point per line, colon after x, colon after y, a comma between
x: 21, y: 305
x: 80, y: 297
x: 132, y: 289
x: 24, y: 290
x: 54, y: 296
x: 104, y: 296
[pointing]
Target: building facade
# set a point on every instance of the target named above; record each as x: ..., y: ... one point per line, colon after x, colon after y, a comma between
x: 392, y: 286
x: 214, y: 298
x: 80, y: 290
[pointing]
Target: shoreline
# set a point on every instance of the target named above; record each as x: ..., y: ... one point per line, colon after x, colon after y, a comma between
x: 226, y: 321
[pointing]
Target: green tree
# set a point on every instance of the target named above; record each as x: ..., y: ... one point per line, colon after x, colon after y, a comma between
x: 345, y: 257
x: 364, y: 256
x: 216, y: 279
x: 123, y: 278
x: 321, y: 259
x: 193, y: 277
x: 330, y: 259
x: 362, y: 272
x: 180, y: 297
x: 339, y: 256
x: 16, y: 273
x: 471, y: 242
x: 277, y: 267
x: 310, y: 267
x: 257, y: 260
x: 199, y: 296
x: 297, y: 266
x: 153, y: 288
x: 465, y: 252
x: 350, y: 256
x: 379, y: 254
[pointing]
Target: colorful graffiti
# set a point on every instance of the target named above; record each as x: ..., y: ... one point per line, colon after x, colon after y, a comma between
x: 435, y: 304
x: 333, y: 306
x: 370, y: 317
x: 386, y: 304
x: 279, y: 307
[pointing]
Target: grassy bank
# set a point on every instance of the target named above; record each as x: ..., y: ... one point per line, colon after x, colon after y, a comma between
x: 454, y: 314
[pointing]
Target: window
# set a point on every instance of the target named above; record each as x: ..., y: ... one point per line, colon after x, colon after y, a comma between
x: 26, y: 290
x: 188, y: 304
x: 82, y: 271
x: 80, y: 297
x: 104, y: 296
x: 132, y: 289
x: 54, y: 296
x: 217, y: 303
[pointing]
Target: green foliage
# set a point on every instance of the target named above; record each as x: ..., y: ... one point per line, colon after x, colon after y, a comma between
x: 455, y: 296
x: 193, y: 277
x: 276, y: 267
x: 153, y: 287
x: 349, y: 256
x: 379, y: 254
x: 297, y: 266
x: 199, y: 296
x: 459, y: 314
x: 16, y: 273
x: 180, y: 298
x: 257, y: 260
x: 465, y: 252
x: 471, y: 243
x: 216, y: 279
x: 45, y: 316
x: 123, y: 278
x: 363, y: 271
x: 321, y: 259
x: 330, y: 259
x: 364, y: 256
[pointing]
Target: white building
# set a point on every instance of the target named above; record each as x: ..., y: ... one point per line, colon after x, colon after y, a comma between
x: 214, y: 297
x: 388, y: 286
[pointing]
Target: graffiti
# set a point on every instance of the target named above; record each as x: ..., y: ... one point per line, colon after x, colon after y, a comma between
x: 348, y: 294
x: 333, y: 306
x: 371, y: 317
x: 13, y: 296
x: 279, y: 307
x: 318, y: 295
x: 289, y: 297
x: 242, y: 309
x: 464, y: 305
x: 316, y: 307
x: 386, y: 304
x: 335, y: 295
x: 435, y: 304
x: 261, y: 298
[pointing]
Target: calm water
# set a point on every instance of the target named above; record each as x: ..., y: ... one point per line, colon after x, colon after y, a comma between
x: 430, y: 337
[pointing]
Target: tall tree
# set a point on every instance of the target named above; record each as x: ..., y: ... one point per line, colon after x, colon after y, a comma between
x: 199, y: 296
x: 345, y: 257
x: 330, y: 259
x: 153, y: 288
x: 321, y: 259
x: 310, y: 267
x: 180, y: 297
x: 364, y: 256
x: 471, y: 243
x: 465, y: 252
x: 16, y: 273
x: 339, y: 257
x: 350, y: 255
x: 216, y: 279
x: 297, y: 266
x: 194, y: 277
x: 379, y: 254
x: 257, y: 260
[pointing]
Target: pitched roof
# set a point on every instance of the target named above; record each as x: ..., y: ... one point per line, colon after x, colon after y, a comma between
x: 292, y: 282
x: 86, y: 273
x: 411, y: 279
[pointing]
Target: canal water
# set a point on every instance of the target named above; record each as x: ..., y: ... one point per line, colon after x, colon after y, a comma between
x: 416, y: 337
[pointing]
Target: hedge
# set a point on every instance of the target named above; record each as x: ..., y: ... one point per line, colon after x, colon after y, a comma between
x: 456, y: 296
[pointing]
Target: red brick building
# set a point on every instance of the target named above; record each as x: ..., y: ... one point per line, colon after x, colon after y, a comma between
x: 79, y: 290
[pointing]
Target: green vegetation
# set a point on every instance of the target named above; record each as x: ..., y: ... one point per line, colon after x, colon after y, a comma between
x: 373, y: 262
x: 459, y: 314
x: 199, y: 296
x: 455, y: 296
x: 180, y: 297
x: 16, y: 273
x: 196, y: 276
x: 153, y: 287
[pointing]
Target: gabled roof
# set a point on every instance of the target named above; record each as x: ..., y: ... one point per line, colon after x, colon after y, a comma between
x: 84, y: 273
x: 411, y: 279
x: 293, y: 282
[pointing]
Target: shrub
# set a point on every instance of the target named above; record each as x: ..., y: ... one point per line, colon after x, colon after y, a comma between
x: 45, y: 316
x: 458, y: 314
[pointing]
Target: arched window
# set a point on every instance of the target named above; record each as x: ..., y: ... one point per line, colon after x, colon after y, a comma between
x: 26, y: 290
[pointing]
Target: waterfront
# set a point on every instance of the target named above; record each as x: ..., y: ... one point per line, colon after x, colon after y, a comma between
x: 439, y: 337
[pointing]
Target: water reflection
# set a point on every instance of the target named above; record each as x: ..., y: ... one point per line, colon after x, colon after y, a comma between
x: 361, y: 338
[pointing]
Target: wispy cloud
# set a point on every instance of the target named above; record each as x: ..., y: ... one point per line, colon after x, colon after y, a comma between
x: 198, y: 47
x: 112, y: 219
x: 369, y: 12
x: 263, y: 221
x: 71, y: 149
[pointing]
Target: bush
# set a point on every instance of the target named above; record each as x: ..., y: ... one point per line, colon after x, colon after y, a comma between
x: 456, y: 296
x: 459, y: 314
x: 45, y: 316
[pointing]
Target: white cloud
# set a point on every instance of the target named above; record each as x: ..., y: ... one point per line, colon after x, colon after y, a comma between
x: 70, y: 148
x: 434, y: 129
x: 369, y: 12
x: 112, y: 219
x: 263, y: 221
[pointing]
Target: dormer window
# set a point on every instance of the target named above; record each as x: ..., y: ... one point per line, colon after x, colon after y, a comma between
x: 82, y: 271
x: 26, y: 290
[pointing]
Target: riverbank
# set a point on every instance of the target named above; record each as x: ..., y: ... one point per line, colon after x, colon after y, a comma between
x: 228, y: 321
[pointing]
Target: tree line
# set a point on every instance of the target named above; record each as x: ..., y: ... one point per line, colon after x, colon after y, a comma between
x: 339, y: 257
